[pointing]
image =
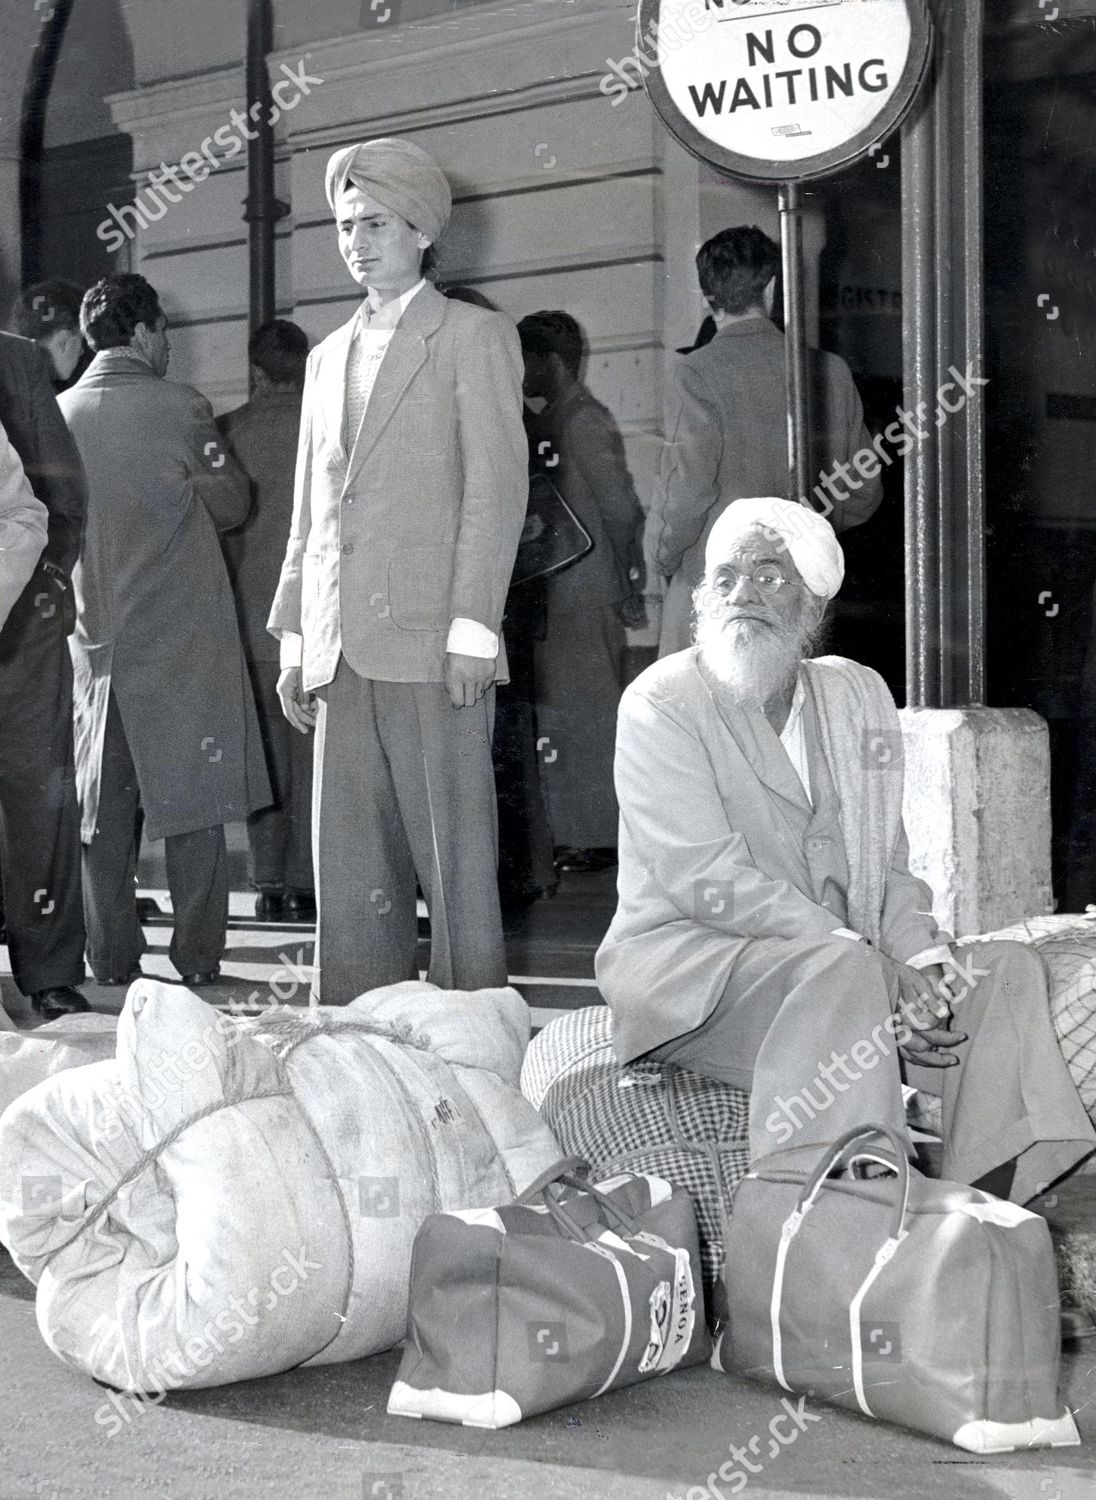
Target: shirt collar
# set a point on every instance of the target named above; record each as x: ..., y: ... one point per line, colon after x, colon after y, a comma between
x: 389, y: 315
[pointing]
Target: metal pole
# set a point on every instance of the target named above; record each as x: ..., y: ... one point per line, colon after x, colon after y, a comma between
x: 795, y: 345
x: 261, y: 209
x: 942, y: 277
x: 919, y: 341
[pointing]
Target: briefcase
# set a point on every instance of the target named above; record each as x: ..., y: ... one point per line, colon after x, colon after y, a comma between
x: 925, y: 1303
x: 570, y: 1292
x: 552, y: 538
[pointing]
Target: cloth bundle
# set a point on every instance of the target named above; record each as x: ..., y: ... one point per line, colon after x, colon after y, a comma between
x: 26, y: 1057
x: 228, y: 1198
x: 669, y: 1122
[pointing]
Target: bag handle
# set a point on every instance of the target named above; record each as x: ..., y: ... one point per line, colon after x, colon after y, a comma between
x: 833, y: 1154
x: 567, y: 1166
x: 609, y: 1209
x: 838, y: 1150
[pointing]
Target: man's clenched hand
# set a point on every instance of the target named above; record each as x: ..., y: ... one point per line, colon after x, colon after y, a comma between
x: 920, y: 1003
x: 299, y: 707
x: 467, y: 678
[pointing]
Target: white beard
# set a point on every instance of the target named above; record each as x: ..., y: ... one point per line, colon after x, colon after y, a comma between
x: 752, y: 661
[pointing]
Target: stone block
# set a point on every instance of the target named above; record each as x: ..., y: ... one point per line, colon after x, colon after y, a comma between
x: 977, y: 811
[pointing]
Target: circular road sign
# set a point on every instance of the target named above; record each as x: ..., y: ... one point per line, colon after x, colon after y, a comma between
x: 782, y: 90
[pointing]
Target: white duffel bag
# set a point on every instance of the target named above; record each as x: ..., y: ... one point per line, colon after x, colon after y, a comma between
x: 230, y: 1198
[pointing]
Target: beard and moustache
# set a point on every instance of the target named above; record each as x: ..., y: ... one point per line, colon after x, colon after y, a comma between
x: 752, y: 660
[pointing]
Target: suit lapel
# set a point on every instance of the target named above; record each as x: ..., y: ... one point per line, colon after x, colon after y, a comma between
x: 404, y: 357
x: 330, y: 408
x: 761, y: 746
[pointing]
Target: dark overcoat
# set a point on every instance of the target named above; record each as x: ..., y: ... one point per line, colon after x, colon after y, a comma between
x: 156, y: 622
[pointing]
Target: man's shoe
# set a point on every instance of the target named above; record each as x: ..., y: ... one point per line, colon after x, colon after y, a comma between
x: 301, y: 906
x: 201, y: 981
x: 60, y: 1000
x: 148, y: 909
x: 269, y: 906
x: 115, y: 980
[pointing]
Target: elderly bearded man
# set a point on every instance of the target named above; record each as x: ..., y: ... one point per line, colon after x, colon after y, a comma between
x: 410, y: 498
x: 769, y: 933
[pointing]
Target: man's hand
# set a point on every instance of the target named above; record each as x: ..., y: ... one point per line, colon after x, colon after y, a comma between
x: 467, y: 678
x: 298, y: 707
x: 921, y: 1004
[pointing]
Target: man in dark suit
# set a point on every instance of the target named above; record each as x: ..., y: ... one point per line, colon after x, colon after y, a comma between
x: 410, y: 498
x: 727, y: 434
x: 262, y: 437
x: 40, y: 835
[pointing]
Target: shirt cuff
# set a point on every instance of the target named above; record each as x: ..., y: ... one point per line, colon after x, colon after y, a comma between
x: 847, y: 932
x: 929, y: 956
x: 470, y: 638
x: 290, y: 649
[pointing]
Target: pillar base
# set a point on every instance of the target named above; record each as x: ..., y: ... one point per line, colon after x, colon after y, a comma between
x: 977, y: 811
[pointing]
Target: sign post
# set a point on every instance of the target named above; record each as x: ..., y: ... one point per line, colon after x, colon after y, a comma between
x: 783, y: 92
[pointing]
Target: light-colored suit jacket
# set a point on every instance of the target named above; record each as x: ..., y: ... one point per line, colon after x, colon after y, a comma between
x: 417, y: 525
x: 719, y: 845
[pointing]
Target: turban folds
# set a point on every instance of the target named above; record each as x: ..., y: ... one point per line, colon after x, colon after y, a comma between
x: 399, y: 175
x: 808, y: 537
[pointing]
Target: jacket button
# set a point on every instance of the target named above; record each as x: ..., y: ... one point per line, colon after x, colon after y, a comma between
x: 815, y: 846
x: 346, y: 548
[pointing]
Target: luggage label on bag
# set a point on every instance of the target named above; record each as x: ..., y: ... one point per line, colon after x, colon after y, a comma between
x: 672, y: 1310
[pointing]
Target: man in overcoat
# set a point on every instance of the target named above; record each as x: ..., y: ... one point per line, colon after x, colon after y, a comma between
x: 40, y: 822
x: 410, y: 497
x: 580, y: 661
x: 726, y: 431
x: 164, y: 710
x: 262, y: 438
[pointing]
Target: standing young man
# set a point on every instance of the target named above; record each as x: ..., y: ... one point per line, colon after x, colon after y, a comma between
x: 410, y: 498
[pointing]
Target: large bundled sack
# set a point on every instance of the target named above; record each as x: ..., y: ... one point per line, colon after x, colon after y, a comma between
x: 26, y: 1057
x: 665, y: 1121
x: 230, y: 1198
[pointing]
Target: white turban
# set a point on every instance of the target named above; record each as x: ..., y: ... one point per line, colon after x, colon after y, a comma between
x: 808, y: 537
x: 399, y: 175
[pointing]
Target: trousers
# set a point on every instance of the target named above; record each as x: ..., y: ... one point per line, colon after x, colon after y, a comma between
x: 197, y: 877
x: 404, y: 788
x: 808, y: 1029
x: 280, y: 836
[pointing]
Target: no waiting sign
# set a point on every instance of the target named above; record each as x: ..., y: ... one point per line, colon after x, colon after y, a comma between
x: 783, y: 90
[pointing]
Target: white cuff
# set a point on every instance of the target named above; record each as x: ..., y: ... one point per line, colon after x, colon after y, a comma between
x: 847, y: 932
x: 290, y: 649
x: 470, y: 638
x: 929, y: 956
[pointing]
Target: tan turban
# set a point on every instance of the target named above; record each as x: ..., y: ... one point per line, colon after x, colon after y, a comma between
x: 808, y: 537
x: 400, y: 176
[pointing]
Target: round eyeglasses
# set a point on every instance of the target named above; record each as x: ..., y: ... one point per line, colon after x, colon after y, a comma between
x: 766, y: 579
